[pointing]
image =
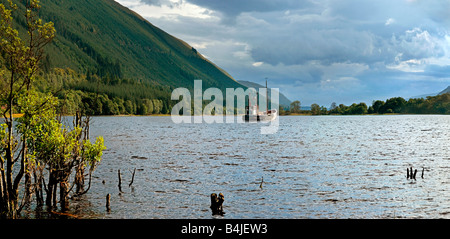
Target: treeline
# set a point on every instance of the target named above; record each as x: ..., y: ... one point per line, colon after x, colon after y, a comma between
x: 439, y: 104
x: 106, y: 95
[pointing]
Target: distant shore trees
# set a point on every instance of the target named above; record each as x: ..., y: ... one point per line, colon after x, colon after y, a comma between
x: 439, y: 104
x: 295, y: 107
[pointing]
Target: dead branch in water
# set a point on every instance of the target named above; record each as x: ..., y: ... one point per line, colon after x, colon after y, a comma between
x: 120, y: 180
x: 132, y: 178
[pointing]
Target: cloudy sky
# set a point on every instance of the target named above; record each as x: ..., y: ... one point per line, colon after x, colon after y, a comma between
x: 317, y: 51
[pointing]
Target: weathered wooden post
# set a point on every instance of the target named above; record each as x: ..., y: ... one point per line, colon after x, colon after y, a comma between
x: 220, y: 201
x: 120, y: 180
x: 216, y: 204
x: 108, y: 202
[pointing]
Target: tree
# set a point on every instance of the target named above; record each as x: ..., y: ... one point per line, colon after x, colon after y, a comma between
x: 323, y: 110
x: 315, y: 109
x: 395, y: 105
x: 129, y: 109
x: 358, y: 109
x: 148, y: 109
x: 295, y: 107
x: 59, y: 149
x: 37, y: 140
x: 377, y: 105
x: 21, y: 62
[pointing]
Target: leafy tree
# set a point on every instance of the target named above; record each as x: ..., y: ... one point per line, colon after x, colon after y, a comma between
x: 148, y: 106
x: 129, y: 107
x: 295, y: 107
x: 323, y: 110
x: 315, y: 109
x: 377, y: 105
x: 357, y: 109
x: 37, y: 140
x: 21, y: 62
x: 395, y: 105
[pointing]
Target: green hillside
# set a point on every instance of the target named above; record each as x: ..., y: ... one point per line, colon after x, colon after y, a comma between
x: 104, y: 38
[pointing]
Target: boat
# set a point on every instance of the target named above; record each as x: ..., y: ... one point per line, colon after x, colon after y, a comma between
x: 252, y: 113
x: 265, y: 116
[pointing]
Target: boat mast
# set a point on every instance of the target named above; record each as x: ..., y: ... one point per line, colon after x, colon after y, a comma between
x: 267, y: 99
x: 248, y: 104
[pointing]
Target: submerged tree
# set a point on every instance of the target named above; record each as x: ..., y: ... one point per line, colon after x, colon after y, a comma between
x: 37, y: 140
x: 20, y: 64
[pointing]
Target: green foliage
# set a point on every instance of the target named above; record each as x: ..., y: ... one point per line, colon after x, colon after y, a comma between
x: 101, y: 96
x: 37, y: 139
x: 439, y: 104
x: 392, y: 105
x: 295, y: 107
x: 92, y: 153
x: 3, y: 134
x: 376, y: 106
x: 20, y: 63
x: 315, y: 109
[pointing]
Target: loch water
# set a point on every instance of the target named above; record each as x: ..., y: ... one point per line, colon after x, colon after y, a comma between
x: 313, y: 167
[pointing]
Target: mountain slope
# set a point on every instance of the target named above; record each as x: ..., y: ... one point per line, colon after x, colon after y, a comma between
x: 105, y: 38
x: 447, y: 90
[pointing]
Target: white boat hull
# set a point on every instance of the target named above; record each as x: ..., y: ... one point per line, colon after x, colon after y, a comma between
x: 271, y: 116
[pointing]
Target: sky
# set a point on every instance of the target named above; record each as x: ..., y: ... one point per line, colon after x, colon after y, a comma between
x: 317, y: 51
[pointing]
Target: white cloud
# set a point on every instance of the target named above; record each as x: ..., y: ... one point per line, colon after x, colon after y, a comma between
x: 417, y: 49
x: 258, y: 64
x: 412, y: 65
x: 170, y: 9
x: 390, y: 21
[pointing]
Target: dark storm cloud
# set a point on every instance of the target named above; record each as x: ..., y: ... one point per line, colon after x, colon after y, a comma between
x: 323, y: 49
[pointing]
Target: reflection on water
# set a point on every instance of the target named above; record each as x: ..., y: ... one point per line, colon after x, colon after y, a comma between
x: 314, y: 167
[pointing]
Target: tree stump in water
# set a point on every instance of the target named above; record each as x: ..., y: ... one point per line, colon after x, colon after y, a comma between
x: 410, y: 174
x: 216, y: 204
x: 108, y: 202
x: 120, y: 180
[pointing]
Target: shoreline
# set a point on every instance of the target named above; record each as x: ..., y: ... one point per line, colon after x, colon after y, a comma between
x: 168, y: 115
x: 15, y: 115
